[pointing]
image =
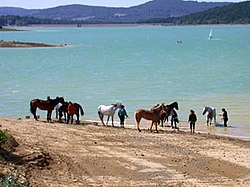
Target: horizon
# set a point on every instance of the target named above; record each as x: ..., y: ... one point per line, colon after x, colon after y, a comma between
x: 27, y: 4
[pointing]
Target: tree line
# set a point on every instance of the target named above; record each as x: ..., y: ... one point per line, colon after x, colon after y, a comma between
x: 238, y: 13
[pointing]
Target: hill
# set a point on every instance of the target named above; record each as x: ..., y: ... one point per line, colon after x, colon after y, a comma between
x: 54, y: 154
x: 238, y: 13
x: 151, y: 9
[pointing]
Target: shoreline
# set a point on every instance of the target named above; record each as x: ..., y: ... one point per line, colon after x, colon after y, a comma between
x: 201, y: 129
x: 94, y: 25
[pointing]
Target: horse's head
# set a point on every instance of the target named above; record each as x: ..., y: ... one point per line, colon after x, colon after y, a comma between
x: 60, y: 100
x: 204, y: 110
x: 173, y: 105
x: 117, y: 105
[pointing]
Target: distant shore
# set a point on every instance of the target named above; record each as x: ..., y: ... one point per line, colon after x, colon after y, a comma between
x: 14, y: 44
x: 19, y: 28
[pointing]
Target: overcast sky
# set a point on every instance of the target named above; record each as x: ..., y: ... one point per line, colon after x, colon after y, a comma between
x: 33, y: 4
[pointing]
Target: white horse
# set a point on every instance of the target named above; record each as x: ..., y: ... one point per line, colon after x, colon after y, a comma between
x: 108, y: 111
x: 210, y: 114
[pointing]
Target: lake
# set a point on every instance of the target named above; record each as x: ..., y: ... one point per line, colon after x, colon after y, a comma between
x: 138, y: 66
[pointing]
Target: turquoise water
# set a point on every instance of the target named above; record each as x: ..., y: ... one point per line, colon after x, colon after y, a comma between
x: 139, y: 66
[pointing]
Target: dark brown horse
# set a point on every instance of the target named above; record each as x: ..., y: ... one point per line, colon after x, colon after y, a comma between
x: 164, y: 114
x: 48, y: 105
x: 153, y: 115
x: 63, y: 110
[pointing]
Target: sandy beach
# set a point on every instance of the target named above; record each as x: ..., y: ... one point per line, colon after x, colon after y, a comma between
x: 89, y: 154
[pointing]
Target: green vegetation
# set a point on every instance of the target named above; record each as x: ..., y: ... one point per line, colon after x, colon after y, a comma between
x: 238, y: 13
x: 4, y: 137
x: 235, y: 13
x: 10, y: 181
x: 24, y: 21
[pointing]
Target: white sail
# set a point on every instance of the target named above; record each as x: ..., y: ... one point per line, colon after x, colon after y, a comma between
x: 210, y: 36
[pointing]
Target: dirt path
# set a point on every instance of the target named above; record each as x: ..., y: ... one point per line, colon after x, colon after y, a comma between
x: 92, y: 155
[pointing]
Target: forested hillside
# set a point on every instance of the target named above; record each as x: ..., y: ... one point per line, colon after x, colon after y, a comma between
x: 238, y: 13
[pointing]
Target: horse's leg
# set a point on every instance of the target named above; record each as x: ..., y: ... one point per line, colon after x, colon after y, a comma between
x: 138, y: 119
x: 152, y: 126
x: 65, y: 116
x: 112, y: 117
x: 68, y: 116
x: 47, y: 116
x: 77, y: 118
x: 161, y: 121
x: 101, y: 117
x: 72, y: 118
x: 107, y: 119
x: 156, y: 127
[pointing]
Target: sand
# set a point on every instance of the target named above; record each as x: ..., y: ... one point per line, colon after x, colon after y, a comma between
x: 90, y: 154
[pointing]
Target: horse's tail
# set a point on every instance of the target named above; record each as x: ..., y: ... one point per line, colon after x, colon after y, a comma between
x: 81, y: 110
x: 138, y: 119
x: 31, y: 108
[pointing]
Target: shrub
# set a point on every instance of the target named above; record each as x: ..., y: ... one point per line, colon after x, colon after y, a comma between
x: 4, y: 137
x: 10, y: 181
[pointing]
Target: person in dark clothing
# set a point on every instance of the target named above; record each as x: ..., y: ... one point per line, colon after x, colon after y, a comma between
x: 192, y: 120
x: 224, y: 117
x: 122, y: 113
x: 174, y: 119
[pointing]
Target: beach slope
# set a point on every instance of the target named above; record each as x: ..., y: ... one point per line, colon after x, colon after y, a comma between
x: 56, y: 154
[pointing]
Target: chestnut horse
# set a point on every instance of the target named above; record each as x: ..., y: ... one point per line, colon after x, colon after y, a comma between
x: 64, y: 110
x: 48, y: 105
x: 164, y: 114
x: 153, y: 115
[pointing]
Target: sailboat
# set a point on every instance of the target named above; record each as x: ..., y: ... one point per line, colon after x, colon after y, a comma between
x: 210, y: 36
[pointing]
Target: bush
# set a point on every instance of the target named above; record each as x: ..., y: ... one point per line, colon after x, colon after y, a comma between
x: 10, y: 181
x: 4, y: 137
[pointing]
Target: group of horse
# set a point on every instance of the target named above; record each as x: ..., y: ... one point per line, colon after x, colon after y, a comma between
x: 50, y: 104
x: 156, y: 114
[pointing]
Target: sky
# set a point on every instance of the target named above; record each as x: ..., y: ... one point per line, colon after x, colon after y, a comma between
x: 37, y: 4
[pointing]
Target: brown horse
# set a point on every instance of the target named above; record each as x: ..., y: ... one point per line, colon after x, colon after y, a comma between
x: 48, y: 105
x: 164, y: 114
x: 153, y: 115
x: 63, y: 110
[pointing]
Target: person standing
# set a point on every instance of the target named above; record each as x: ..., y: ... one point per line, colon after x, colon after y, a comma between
x: 174, y: 119
x: 192, y: 120
x: 71, y: 112
x: 122, y: 113
x: 224, y: 116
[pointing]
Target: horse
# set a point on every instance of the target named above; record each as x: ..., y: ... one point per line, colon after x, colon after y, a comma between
x: 210, y: 114
x: 164, y: 114
x: 154, y: 115
x: 108, y: 111
x: 48, y: 105
x: 63, y: 110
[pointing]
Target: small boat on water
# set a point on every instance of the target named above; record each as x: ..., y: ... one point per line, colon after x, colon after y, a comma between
x: 210, y: 36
